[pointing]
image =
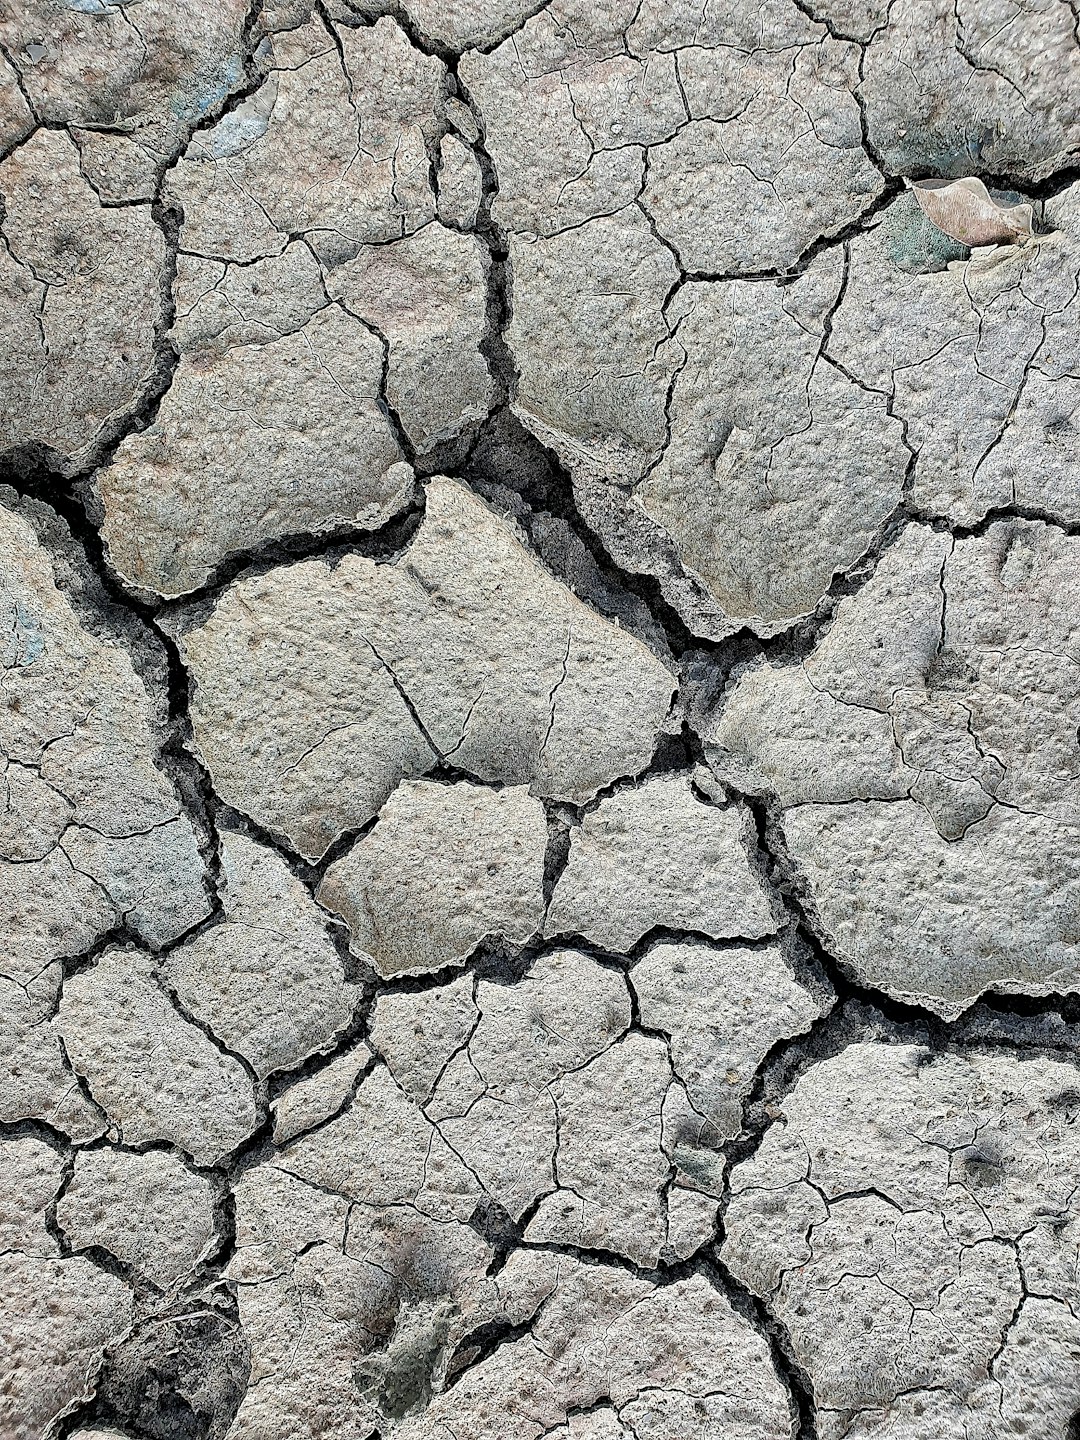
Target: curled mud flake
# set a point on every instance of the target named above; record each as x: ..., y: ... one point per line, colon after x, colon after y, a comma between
x: 967, y: 212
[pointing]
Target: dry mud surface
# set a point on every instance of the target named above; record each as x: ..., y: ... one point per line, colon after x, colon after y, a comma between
x: 540, y: 846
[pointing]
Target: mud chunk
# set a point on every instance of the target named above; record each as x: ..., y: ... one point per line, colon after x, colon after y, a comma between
x: 462, y: 24
x: 61, y: 1310
x: 733, y: 488
x: 62, y: 1313
x: 925, y: 757
x: 771, y: 160
x: 16, y: 121
x: 92, y: 832
x: 976, y: 356
x: 156, y: 1076
x: 495, y: 1100
x: 724, y: 1010
x: 318, y: 690
x: 31, y: 1173
x: 468, y: 859
x: 418, y: 1033
x: 38, y: 1082
x: 938, y: 922
x: 220, y: 305
x: 904, y: 1197
x: 946, y: 70
x: 592, y: 342
x: 693, y: 449
x: 658, y: 856
x: 148, y: 1209
x: 320, y: 1096
x: 80, y: 297
x: 87, y: 63
x: 460, y: 183
x: 268, y: 980
x: 333, y: 146
x: 611, y: 1166
x: 741, y: 141
x: 263, y: 441
x: 666, y: 1360
x: 399, y: 1277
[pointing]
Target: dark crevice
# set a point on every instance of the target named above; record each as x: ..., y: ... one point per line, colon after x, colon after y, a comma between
x: 560, y: 820
x: 153, y: 651
x: 795, y: 1379
x: 480, y: 1344
x: 512, y: 469
x: 331, y: 545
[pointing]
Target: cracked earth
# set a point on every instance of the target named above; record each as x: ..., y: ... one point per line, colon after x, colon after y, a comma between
x: 540, y: 855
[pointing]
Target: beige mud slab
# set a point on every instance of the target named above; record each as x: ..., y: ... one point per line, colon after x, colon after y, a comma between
x: 539, y: 713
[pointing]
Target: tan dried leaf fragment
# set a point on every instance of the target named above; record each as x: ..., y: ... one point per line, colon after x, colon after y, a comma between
x: 967, y: 212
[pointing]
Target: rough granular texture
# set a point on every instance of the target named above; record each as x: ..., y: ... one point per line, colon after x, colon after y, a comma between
x: 540, y: 720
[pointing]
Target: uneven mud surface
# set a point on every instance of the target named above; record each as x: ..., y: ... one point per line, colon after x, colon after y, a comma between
x: 540, y: 856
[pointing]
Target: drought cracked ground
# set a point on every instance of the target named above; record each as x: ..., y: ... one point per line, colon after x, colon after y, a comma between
x: 540, y: 857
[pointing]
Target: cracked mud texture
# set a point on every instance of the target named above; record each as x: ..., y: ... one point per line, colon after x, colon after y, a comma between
x: 540, y: 720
